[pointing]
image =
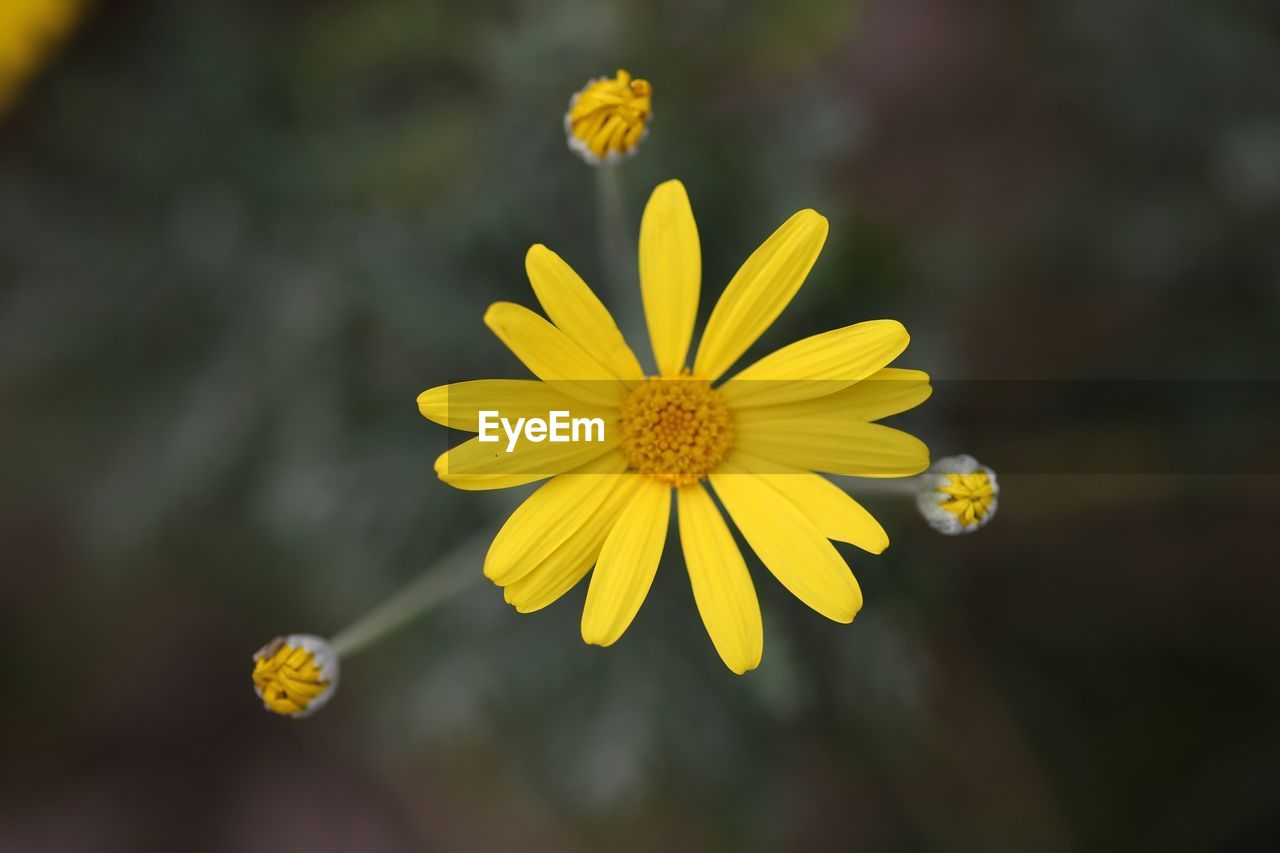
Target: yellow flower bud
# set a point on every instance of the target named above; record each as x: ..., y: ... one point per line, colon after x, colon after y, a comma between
x: 295, y: 675
x: 608, y: 118
x: 957, y: 495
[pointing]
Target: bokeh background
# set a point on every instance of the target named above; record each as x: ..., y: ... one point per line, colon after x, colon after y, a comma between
x: 237, y: 238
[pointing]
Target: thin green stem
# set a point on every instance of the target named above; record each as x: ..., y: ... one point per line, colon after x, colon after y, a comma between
x: 447, y: 577
x: 618, y: 251
x: 857, y: 486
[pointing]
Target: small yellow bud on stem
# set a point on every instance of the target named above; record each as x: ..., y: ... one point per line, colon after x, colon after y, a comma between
x: 609, y: 117
x: 295, y: 675
x: 958, y: 495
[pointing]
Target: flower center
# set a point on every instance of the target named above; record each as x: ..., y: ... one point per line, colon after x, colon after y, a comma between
x: 970, y: 497
x: 288, y: 677
x: 675, y: 430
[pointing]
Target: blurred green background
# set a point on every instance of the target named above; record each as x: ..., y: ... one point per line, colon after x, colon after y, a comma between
x: 238, y: 238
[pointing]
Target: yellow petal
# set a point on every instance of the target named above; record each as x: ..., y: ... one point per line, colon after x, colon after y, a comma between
x: 552, y: 356
x: 759, y: 291
x: 548, y: 517
x: 722, y: 587
x: 628, y: 561
x: 570, y: 562
x: 833, y: 445
x: 459, y: 404
x: 670, y: 274
x: 578, y: 313
x: 831, y: 510
x: 789, y: 544
x: 819, y: 365
x: 475, y: 465
x: 885, y: 392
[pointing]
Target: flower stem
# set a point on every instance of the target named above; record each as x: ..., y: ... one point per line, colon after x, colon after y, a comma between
x: 617, y: 252
x: 447, y: 577
x: 858, y: 486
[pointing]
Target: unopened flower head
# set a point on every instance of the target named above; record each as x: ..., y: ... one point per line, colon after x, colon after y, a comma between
x: 609, y: 117
x: 958, y: 495
x: 295, y: 675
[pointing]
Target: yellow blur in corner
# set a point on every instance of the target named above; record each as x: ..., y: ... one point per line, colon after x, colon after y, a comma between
x: 30, y: 31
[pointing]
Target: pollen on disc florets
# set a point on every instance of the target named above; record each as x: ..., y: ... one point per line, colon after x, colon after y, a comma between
x: 958, y: 495
x: 295, y: 675
x: 675, y: 430
x: 609, y: 117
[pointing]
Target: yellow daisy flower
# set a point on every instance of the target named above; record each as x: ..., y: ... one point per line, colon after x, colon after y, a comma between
x: 755, y: 440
